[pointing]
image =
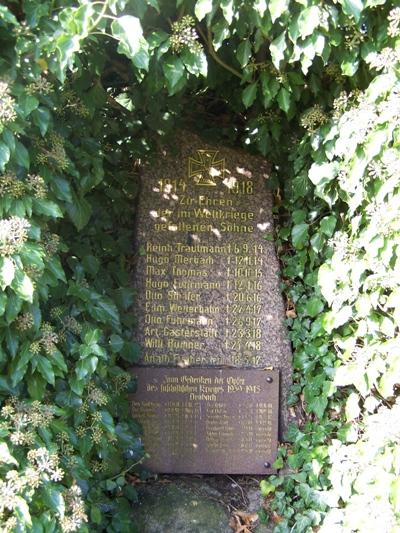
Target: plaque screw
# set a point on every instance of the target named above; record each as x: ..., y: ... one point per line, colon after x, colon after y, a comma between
x: 267, y: 464
x: 269, y: 379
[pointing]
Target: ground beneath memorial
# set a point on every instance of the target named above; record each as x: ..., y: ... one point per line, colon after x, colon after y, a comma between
x: 199, y: 504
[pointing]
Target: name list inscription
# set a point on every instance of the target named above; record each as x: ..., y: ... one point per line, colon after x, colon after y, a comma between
x: 208, y: 420
x: 202, y: 258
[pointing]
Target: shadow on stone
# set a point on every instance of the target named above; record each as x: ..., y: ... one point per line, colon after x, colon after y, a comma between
x: 195, y: 505
x: 180, y: 509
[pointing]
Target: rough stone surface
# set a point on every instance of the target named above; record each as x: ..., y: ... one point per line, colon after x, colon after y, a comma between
x: 196, y: 504
x: 178, y: 509
x: 207, y: 276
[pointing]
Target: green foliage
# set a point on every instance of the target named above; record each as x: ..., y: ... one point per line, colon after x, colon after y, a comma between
x: 66, y: 434
x: 88, y: 89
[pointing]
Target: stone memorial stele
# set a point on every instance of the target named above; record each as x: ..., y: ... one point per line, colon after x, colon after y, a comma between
x: 210, y: 312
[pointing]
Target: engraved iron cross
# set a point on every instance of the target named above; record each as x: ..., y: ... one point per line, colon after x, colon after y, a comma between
x: 206, y: 168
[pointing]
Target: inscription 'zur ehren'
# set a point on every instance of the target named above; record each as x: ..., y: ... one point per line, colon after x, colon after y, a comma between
x: 204, y: 257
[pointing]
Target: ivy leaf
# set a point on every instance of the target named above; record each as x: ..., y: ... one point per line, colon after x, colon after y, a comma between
x: 323, y: 173
x: 195, y: 63
x: 277, y: 49
x: 327, y: 282
x: 54, y: 499
x: 4, y: 155
x: 249, y: 94
x: 7, y: 16
x: 131, y: 352
x: 55, y: 267
x: 42, y: 118
x: 243, y: 52
x: 22, y: 511
x: 3, y: 302
x: 7, y: 272
x: 314, y: 306
x: 23, y: 286
x: 335, y: 319
x: 350, y: 64
x: 27, y: 104
x: 308, y: 20
x: 21, y: 155
x: 303, y: 521
x: 19, y: 364
x: 300, y: 235
x: 105, y: 311
x: 375, y: 142
x: 5, y: 455
x: 14, y: 304
x: 141, y: 58
x: 45, y: 369
x: 266, y: 488
x: 328, y: 225
x: 284, y: 99
x: 277, y: 8
x: 202, y: 8
x: 86, y: 367
x: 46, y: 207
x: 36, y: 386
x: 174, y: 71
x: 318, y: 405
x: 352, y: 406
x: 9, y: 139
x: 270, y: 87
x: 116, y: 343
x: 95, y: 514
x: 128, y: 31
x: 227, y: 10
x: 154, y: 3
x: 61, y: 188
x: 79, y: 212
x: 66, y: 46
x: 91, y: 264
x: 352, y: 8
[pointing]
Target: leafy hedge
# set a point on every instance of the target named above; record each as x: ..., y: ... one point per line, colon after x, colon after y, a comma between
x: 86, y: 90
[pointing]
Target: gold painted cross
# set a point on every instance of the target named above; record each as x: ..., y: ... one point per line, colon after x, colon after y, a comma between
x: 206, y: 167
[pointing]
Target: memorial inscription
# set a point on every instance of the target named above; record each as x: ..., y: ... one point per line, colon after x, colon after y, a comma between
x: 207, y: 276
x: 207, y: 420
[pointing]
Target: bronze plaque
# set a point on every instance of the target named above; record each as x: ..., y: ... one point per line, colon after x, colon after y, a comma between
x: 208, y: 420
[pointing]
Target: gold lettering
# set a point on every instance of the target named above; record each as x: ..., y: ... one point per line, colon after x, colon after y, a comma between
x: 156, y: 284
x: 188, y: 296
x: 219, y: 214
x: 181, y: 259
x: 152, y: 307
x: 240, y: 297
x: 155, y: 247
x: 157, y: 259
x: 189, y: 332
x: 155, y: 271
x: 184, y: 344
x: 152, y: 319
x: 152, y: 295
x: 206, y: 201
x: 188, y: 272
x: 176, y: 320
x: 153, y: 343
x: 190, y: 309
x: 186, y: 200
x: 223, y: 249
x: 227, y: 227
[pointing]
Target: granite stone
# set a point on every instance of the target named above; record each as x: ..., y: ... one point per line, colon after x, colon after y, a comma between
x: 207, y: 274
